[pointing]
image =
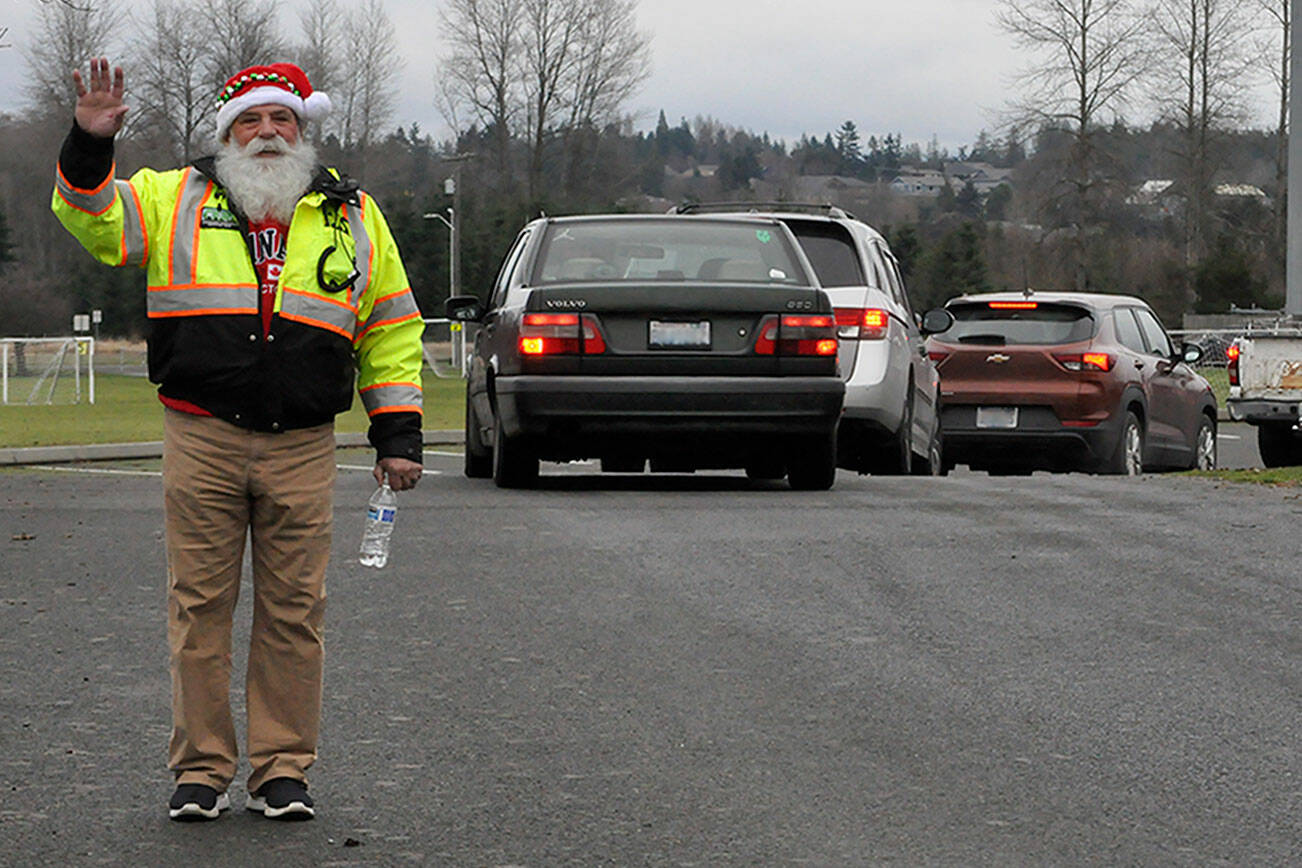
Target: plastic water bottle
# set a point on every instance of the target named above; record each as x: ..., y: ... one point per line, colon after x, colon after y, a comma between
x: 381, y: 510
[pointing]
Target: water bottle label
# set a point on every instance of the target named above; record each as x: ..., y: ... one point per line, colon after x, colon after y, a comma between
x: 372, y: 513
x: 387, y: 515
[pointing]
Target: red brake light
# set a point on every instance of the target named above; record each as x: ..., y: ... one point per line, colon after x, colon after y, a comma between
x: 1085, y: 361
x: 937, y: 356
x: 798, y: 335
x: 862, y: 324
x: 549, y: 334
x: 1232, y: 355
x: 1232, y: 352
x: 1013, y: 305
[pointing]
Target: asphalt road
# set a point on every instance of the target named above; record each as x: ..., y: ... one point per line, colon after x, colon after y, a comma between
x: 699, y: 671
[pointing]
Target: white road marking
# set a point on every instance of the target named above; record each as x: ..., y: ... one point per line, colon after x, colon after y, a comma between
x: 369, y: 467
x: 103, y: 470
x: 444, y: 454
x: 1228, y: 437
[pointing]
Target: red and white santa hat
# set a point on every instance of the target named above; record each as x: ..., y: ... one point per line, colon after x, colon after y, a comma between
x: 274, y: 84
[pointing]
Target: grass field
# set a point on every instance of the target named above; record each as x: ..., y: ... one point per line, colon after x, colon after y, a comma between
x: 127, y: 410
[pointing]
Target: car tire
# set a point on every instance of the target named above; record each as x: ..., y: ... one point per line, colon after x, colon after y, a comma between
x: 479, y: 458
x: 933, y: 463
x: 767, y: 469
x: 514, y: 466
x: 1127, y: 459
x: 1205, y: 446
x: 812, y: 466
x: 1279, y: 445
x: 894, y: 457
x: 623, y: 465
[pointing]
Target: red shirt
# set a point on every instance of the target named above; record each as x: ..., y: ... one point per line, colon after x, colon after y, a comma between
x: 267, y: 244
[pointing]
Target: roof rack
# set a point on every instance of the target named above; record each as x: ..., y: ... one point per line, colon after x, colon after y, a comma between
x: 803, y: 207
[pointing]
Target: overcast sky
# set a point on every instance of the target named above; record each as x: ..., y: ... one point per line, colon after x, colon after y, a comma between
x: 920, y: 68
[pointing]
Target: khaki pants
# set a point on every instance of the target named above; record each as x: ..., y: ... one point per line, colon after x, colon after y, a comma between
x: 222, y: 483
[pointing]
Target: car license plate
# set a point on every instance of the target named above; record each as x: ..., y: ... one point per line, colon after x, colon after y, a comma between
x: 996, y: 417
x: 679, y: 335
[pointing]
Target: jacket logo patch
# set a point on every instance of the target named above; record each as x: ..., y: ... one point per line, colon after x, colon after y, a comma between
x: 218, y: 218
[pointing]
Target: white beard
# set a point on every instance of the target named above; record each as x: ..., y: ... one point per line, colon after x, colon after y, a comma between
x: 266, y: 187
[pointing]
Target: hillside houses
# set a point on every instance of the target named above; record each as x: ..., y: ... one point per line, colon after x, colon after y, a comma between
x: 929, y: 183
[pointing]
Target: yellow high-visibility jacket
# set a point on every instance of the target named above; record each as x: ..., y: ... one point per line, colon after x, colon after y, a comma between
x: 206, y: 343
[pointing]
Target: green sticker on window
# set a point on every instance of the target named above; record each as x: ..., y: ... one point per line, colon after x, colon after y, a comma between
x: 764, y: 236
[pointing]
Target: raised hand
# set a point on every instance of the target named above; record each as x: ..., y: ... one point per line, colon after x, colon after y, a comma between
x: 100, y: 110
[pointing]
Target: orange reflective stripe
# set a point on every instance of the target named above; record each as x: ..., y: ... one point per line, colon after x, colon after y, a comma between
x: 321, y: 324
x: 408, y: 408
x: 83, y: 191
x: 384, y: 322
x: 94, y: 202
x: 176, y: 214
x: 135, y: 242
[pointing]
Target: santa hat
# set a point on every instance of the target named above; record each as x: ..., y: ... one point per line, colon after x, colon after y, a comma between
x: 275, y: 84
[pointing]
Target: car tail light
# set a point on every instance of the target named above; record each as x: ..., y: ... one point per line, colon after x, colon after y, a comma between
x: 938, y: 356
x: 1232, y: 357
x: 1014, y: 305
x: 862, y: 324
x: 803, y: 335
x: 1086, y: 361
x: 551, y: 334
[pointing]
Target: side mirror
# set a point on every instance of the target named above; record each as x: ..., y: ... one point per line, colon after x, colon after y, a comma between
x: 936, y: 321
x: 464, y: 308
x: 1191, y: 353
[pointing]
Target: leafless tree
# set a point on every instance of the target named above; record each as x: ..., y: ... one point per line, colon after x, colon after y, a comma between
x: 612, y: 59
x: 171, y: 92
x: 239, y: 33
x: 66, y: 37
x: 1088, y: 58
x: 1199, y: 85
x: 610, y: 62
x: 551, y: 33
x: 323, y: 51
x: 373, y: 65
x: 480, y: 72
x: 1275, y: 53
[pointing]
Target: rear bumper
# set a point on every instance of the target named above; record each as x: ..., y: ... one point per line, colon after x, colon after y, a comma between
x: 574, y: 413
x: 1260, y: 411
x: 1040, y: 440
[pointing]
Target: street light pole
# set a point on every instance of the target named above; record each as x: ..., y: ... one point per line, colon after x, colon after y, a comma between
x: 452, y: 245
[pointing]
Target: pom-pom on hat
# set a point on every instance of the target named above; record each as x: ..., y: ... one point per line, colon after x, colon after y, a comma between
x: 275, y: 84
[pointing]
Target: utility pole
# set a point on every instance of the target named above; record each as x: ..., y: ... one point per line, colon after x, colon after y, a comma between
x: 453, y: 186
x: 1293, y: 228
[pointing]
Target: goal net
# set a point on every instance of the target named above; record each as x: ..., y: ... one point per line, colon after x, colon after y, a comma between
x: 47, y: 370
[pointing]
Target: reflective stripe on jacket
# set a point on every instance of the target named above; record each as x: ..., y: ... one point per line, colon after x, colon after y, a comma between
x: 205, y: 342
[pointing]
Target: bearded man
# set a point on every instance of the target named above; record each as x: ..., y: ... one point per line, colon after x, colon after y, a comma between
x: 272, y: 285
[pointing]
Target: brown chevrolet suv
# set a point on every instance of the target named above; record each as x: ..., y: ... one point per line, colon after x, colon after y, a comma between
x: 1069, y: 381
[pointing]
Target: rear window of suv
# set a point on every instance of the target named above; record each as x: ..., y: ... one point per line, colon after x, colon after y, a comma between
x: 674, y: 248
x: 1003, y: 323
x: 830, y: 249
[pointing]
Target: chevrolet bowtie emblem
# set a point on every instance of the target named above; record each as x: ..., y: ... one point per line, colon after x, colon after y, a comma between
x: 997, y: 358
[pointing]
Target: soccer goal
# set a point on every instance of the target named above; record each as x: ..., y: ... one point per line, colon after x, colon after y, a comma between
x: 47, y: 370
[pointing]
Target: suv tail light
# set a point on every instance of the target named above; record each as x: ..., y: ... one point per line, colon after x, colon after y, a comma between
x: 861, y: 324
x: 1232, y: 357
x: 552, y: 334
x: 1085, y: 361
x: 802, y: 335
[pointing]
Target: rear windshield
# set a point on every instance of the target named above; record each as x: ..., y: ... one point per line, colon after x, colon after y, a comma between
x: 675, y: 248
x: 831, y: 251
x: 979, y: 323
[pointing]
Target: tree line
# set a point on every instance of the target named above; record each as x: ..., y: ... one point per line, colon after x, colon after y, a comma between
x: 538, y: 93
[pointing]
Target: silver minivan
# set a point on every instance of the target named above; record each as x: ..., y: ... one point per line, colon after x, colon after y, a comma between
x: 890, y: 423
